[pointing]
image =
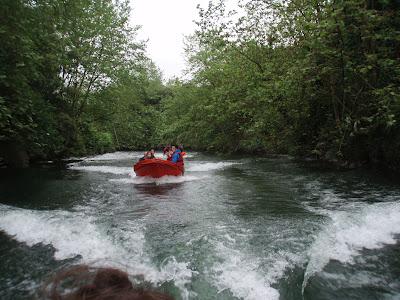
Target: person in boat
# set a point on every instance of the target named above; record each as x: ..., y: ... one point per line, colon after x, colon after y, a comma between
x: 177, y: 157
x: 151, y: 154
x: 96, y: 283
x: 170, y: 153
x: 148, y: 155
x: 183, y: 153
x: 167, y: 149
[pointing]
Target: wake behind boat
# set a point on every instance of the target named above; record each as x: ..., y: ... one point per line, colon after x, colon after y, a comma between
x: 157, y: 168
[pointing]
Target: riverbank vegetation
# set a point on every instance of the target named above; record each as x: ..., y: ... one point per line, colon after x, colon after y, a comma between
x: 310, y: 78
x: 74, y: 80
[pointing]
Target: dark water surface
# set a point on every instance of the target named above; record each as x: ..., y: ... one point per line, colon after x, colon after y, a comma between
x: 248, y: 228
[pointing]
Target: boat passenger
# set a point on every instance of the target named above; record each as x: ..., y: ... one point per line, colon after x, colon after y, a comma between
x: 148, y: 155
x: 166, y: 149
x: 177, y: 156
x: 183, y: 153
x: 171, y: 153
x: 151, y: 154
x: 96, y: 283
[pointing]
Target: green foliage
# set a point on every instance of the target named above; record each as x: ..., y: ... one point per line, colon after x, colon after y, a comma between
x: 96, y: 141
x: 73, y: 79
x: 318, y: 78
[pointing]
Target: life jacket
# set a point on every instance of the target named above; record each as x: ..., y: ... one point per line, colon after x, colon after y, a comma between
x: 180, y: 159
x: 176, y: 156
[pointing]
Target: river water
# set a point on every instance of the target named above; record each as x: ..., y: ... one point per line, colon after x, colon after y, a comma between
x: 238, y: 228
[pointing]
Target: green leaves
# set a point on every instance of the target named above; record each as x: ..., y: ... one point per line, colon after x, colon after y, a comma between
x: 70, y: 73
x: 318, y: 77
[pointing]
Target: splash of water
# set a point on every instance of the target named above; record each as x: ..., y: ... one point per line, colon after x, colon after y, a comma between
x: 75, y: 234
x: 348, y: 232
x: 102, y: 169
x: 119, y: 155
x: 209, y: 166
x: 157, y: 181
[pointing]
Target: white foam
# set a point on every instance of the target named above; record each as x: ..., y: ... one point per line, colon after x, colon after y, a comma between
x: 65, y: 232
x: 190, y: 167
x: 72, y: 234
x: 239, y: 274
x: 243, y: 273
x: 191, y: 154
x: 210, y: 166
x: 102, y: 169
x: 179, y: 273
x: 158, y: 181
x: 348, y: 232
x: 119, y: 155
x: 132, y: 179
x: 73, y: 158
x: 123, y: 155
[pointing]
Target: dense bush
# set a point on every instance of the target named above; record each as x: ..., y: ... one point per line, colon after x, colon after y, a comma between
x: 73, y: 79
x: 314, y: 78
x: 310, y: 78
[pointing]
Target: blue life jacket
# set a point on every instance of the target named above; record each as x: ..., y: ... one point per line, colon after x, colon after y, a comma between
x: 176, y: 156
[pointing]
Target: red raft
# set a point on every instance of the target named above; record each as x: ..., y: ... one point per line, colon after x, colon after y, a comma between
x: 157, y: 168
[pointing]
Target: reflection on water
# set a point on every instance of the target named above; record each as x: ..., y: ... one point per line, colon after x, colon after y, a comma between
x: 234, y: 228
x: 156, y: 189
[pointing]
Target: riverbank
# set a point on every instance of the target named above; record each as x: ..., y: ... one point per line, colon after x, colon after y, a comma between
x: 20, y: 159
x: 329, y: 161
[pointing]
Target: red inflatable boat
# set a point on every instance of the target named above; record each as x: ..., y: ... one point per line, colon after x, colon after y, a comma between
x: 157, y: 168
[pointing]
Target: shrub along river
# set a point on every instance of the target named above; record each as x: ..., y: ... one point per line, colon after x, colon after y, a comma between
x: 242, y: 228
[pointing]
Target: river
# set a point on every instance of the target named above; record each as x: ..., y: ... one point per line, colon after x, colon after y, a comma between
x: 231, y: 228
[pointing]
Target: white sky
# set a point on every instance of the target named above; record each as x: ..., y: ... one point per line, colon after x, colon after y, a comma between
x: 164, y: 23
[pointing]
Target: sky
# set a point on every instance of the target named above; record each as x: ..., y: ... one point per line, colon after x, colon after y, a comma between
x: 164, y: 23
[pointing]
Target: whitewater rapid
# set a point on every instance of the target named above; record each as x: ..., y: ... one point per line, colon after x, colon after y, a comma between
x: 229, y: 229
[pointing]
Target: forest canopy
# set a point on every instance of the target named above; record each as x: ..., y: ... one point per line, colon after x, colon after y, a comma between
x: 308, y: 78
x: 74, y: 79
